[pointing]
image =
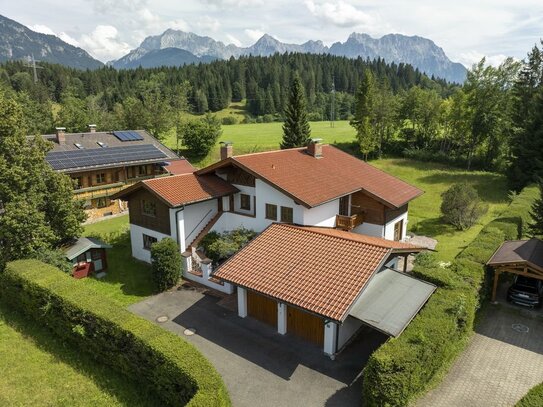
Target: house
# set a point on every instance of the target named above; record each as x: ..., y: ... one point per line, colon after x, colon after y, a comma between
x: 102, y: 163
x: 87, y: 255
x: 331, y: 229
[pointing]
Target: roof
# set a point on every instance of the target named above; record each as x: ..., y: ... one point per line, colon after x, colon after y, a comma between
x: 314, y: 181
x: 82, y: 245
x: 529, y: 252
x: 89, y: 142
x: 318, y: 269
x: 391, y: 300
x: 179, y: 166
x: 184, y: 189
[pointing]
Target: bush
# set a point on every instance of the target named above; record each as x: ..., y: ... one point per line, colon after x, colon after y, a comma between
x: 534, y: 398
x: 165, y: 264
x: 461, y: 206
x: 55, y: 258
x: 220, y: 246
x: 314, y: 117
x: 405, y: 367
x: 170, y: 367
x: 229, y: 120
x: 267, y: 118
x: 200, y: 136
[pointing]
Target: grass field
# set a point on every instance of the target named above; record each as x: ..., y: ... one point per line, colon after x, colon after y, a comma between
x: 40, y: 370
x: 127, y: 280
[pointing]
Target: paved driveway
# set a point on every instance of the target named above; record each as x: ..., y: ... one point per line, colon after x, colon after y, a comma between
x: 501, y: 363
x: 259, y: 366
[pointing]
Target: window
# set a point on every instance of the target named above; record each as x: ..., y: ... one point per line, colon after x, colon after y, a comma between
x: 142, y: 170
x: 101, y: 144
x: 245, y: 202
x: 287, y: 214
x: 148, y: 208
x: 398, y: 230
x: 78, y: 182
x: 271, y: 212
x: 100, y: 178
x: 101, y: 202
x: 79, y: 146
x: 148, y: 241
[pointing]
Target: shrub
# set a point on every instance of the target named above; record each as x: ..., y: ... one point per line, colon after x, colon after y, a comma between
x: 55, y: 258
x: 172, y: 368
x: 536, y: 214
x: 220, y: 246
x: 165, y: 264
x: 534, y: 398
x: 314, y: 117
x: 200, y: 135
x: 461, y: 206
x: 267, y: 118
x: 229, y: 120
x: 405, y: 367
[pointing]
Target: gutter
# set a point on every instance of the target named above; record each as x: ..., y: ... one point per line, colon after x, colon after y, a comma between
x: 177, y: 225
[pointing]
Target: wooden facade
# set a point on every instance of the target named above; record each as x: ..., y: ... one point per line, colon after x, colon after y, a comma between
x: 160, y: 222
x: 373, y: 211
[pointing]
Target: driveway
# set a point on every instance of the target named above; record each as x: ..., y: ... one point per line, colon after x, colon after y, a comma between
x: 503, y: 360
x: 259, y: 366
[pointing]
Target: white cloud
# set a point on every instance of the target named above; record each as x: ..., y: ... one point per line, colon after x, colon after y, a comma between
x: 207, y: 24
x: 39, y: 28
x: 473, y: 57
x: 254, y: 35
x: 233, y: 40
x: 103, y: 43
x: 339, y: 13
x: 234, y: 3
x: 69, y: 39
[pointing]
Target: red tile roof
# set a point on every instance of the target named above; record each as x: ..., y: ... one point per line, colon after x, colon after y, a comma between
x: 182, y: 189
x: 318, y: 269
x: 181, y: 166
x: 313, y: 181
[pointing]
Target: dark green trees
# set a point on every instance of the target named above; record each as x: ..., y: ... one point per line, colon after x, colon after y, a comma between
x: 296, y: 130
x: 363, y: 121
x: 536, y: 227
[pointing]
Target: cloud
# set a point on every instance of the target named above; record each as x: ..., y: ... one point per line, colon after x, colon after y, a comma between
x: 254, y: 35
x: 473, y: 57
x: 103, y: 43
x: 233, y: 40
x: 233, y: 3
x: 339, y: 13
x: 39, y: 28
x: 107, y: 6
x: 207, y: 23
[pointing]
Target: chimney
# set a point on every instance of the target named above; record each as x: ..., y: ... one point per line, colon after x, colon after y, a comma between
x: 61, y: 135
x: 226, y: 149
x: 92, y: 128
x: 314, y: 148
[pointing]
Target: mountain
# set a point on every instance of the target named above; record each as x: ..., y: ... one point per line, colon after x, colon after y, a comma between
x: 19, y: 42
x: 420, y: 52
x: 167, y: 57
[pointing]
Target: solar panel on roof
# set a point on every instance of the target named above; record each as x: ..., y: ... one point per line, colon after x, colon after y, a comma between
x: 128, y: 135
x: 61, y: 160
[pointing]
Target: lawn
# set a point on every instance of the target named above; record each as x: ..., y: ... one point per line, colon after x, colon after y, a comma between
x: 40, y: 370
x: 127, y: 280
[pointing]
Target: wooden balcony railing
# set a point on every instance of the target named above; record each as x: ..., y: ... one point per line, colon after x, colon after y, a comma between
x: 100, y: 191
x: 348, y: 222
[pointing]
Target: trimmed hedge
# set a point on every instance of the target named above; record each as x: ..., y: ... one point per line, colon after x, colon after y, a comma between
x: 173, y: 369
x: 405, y: 367
x: 534, y: 398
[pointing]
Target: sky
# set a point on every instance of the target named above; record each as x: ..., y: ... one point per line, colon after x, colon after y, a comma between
x: 467, y: 30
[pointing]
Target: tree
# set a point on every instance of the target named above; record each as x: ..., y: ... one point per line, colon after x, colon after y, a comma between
x: 199, y: 136
x: 461, y: 206
x: 165, y: 264
x: 363, y: 120
x: 536, y: 226
x: 38, y: 206
x: 296, y: 130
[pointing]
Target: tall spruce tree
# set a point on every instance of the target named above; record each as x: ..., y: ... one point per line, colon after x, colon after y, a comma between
x: 536, y: 226
x: 296, y: 130
x: 364, y: 114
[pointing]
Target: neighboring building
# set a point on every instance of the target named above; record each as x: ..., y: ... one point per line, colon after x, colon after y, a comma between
x: 365, y: 209
x: 102, y: 163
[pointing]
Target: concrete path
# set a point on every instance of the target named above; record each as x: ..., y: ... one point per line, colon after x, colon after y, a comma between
x: 259, y: 366
x: 501, y: 363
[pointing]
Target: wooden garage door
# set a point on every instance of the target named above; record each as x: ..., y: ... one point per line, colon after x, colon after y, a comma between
x: 262, y: 308
x: 305, y: 325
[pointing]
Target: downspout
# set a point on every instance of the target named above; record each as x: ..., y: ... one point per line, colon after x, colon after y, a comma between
x: 177, y: 226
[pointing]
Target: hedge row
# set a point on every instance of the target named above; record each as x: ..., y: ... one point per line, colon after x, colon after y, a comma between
x: 403, y: 368
x: 174, y: 370
x: 534, y: 398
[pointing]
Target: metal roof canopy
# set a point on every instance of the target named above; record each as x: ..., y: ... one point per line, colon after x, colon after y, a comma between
x: 391, y: 300
x: 82, y: 245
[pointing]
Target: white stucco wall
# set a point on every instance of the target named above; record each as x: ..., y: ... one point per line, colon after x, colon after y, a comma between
x: 322, y: 215
x: 237, y: 199
x: 346, y: 331
x: 196, y: 217
x: 136, y: 239
x: 370, y: 229
x: 389, y: 227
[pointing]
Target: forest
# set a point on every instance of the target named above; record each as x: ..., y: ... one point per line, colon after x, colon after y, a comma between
x: 491, y: 122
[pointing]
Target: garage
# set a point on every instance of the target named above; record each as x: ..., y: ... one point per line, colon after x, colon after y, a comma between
x: 262, y: 308
x: 306, y: 326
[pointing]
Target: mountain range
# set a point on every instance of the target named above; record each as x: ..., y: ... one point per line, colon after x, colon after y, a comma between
x: 20, y: 42
x: 420, y: 52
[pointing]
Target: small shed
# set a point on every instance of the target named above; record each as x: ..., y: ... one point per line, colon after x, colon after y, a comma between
x: 522, y: 257
x: 87, y: 255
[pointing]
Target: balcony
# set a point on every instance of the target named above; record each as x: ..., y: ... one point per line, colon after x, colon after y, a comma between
x: 348, y: 222
x: 104, y: 190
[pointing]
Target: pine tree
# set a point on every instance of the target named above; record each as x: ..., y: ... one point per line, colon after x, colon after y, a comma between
x: 363, y: 115
x: 296, y: 130
x: 536, y: 227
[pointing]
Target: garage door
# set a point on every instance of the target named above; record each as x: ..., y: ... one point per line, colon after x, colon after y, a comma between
x: 262, y: 308
x: 305, y: 325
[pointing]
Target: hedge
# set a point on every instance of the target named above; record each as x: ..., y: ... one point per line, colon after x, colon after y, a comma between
x: 405, y: 367
x: 534, y: 398
x: 172, y: 368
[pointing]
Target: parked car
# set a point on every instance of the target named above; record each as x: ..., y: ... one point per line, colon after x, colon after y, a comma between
x: 526, y: 291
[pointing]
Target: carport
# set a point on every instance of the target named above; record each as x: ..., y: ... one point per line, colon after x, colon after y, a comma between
x: 522, y: 257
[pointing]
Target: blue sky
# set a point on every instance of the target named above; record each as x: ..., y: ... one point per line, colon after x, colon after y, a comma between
x: 466, y: 30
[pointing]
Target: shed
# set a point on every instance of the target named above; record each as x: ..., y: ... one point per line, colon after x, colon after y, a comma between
x: 522, y: 257
x: 87, y: 255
